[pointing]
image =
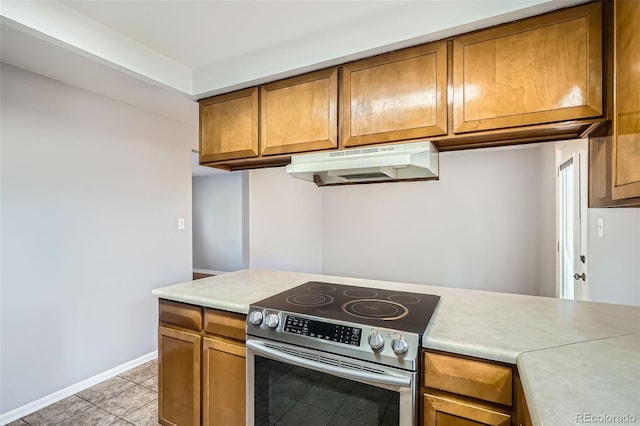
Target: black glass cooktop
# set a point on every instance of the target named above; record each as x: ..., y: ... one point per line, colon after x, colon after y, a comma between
x: 403, y: 311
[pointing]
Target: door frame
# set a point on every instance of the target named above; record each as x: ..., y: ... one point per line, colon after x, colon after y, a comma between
x: 563, y: 151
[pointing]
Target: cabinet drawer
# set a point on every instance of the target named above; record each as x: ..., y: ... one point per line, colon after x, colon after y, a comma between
x: 180, y: 314
x: 225, y: 324
x: 477, y: 379
x: 444, y: 410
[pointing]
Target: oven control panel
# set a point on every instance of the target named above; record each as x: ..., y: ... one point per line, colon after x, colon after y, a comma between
x: 373, y: 344
x: 323, y: 330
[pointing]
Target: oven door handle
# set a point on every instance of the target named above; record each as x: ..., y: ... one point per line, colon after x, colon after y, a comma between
x: 392, y: 380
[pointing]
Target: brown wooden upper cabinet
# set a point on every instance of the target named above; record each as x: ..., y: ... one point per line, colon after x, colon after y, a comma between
x: 300, y: 114
x: 397, y: 96
x: 229, y: 126
x: 626, y: 116
x: 539, y: 70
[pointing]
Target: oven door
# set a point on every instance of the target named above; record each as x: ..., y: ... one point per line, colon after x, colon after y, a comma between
x: 290, y: 385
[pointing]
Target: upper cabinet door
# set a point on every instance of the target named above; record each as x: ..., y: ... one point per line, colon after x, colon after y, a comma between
x: 397, y: 96
x: 300, y: 114
x: 229, y: 126
x: 626, y: 137
x: 539, y: 70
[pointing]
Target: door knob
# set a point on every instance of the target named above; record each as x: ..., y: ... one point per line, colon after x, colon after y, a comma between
x: 581, y: 276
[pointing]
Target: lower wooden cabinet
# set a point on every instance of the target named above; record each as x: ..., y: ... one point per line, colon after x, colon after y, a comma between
x: 522, y: 415
x: 464, y: 391
x: 450, y: 411
x: 201, y: 357
x: 469, y: 377
x: 223, y: 382
x: 178, y: 377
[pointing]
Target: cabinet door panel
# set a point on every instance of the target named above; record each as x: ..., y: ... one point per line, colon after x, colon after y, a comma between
x: 626, y: 138
x: 468, y: 377
x: 540, y: 70
x: 300, y: 114
x: 178, y: 377
x: 229, y: 126
x: 398, y: 96
x: 223, y: 391
x: 445, y: 411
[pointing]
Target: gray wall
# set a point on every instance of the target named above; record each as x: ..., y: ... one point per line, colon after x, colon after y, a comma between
x: 614, y: 259
x: 220, y: 222
x: 285, y: 222
x: 477, y: 227
x: 91, y: 192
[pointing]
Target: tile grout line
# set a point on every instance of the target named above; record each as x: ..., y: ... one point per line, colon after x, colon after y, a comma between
x: 91, y: 404
x: 68, y: 418
x: 145, y: 405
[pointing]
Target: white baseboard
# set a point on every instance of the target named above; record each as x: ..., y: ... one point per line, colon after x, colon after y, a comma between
x: 208, y: 271
x: 39, y: 404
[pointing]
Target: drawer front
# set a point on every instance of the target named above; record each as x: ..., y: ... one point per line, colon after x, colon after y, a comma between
x: 225, y: 324
x: 477, y: 379
x: 443, y: 410
x: 180, y: 314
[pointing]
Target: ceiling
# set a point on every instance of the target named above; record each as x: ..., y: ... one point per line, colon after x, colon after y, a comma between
x: 162, y: 55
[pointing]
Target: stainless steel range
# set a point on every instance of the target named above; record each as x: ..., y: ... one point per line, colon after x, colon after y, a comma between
x: 330, y: 354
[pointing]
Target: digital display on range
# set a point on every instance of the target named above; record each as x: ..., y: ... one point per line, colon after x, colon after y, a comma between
x: 324, y: 331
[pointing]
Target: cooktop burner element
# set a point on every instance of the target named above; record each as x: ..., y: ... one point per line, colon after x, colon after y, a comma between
x: 309, y: 299
x: 404, y: 299
x: 360, y: 293
x: 377, y: 309
x: 322, y: 288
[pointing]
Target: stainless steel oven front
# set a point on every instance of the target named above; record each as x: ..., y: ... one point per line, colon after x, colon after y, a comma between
x: 292, y: 385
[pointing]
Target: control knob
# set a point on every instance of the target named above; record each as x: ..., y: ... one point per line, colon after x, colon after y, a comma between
x: 399, y: 344
x: 255, y: 317
x: 376, y: 341
x: 272, y: 320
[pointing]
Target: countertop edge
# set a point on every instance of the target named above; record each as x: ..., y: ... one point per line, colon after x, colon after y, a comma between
x: 238, y: 308
x: 507, y: 357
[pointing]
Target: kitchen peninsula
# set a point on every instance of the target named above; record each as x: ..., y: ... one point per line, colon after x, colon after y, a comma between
x: 574, y: 359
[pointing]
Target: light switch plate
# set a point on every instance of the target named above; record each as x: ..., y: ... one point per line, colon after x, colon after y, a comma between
x: 181, y: 223
x: 600, y: 227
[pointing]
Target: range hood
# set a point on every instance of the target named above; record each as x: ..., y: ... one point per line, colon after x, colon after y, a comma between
x: 383, y: 163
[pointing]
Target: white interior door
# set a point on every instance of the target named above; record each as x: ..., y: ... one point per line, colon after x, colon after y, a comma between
x: 571, y: 163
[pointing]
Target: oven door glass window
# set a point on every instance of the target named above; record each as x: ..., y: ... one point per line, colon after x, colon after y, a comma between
x: 292, y: 395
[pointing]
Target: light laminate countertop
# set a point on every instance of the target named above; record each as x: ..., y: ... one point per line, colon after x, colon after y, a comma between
x: 549, y: 339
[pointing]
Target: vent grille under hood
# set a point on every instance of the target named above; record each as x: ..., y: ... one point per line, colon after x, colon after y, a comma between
x: 384, y: 163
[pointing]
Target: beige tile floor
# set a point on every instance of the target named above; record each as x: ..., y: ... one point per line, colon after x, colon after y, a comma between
x: 130, y: 398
